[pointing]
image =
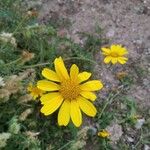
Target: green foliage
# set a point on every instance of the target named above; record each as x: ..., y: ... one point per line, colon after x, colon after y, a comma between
x: 127, y: 81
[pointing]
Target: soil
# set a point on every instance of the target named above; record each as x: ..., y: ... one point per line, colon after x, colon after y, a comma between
x: 125, y: 22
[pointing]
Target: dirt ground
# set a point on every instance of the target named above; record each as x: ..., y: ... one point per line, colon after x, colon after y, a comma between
x: 125, y: 22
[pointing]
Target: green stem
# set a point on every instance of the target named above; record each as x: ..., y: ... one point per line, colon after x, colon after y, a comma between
x: 41, y: 53
x: 13, y: 62
x: 65, y: 145
x: 37, y: 65
x: 110, y: 100
x: 67, y: 59
x: 84, y: 59
x: 20, y: 24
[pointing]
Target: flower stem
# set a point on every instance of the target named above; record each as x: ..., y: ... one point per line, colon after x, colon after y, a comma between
x: 67, y: 59
x: 110, y: 100
x: 64, y: 146
x: 81, y: 58
x: 37, y: 65
x: 13, y: 62
x: 20, y: 24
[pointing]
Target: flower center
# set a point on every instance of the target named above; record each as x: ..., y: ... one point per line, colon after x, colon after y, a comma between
x: 113, y: 54
x: 70, y: 89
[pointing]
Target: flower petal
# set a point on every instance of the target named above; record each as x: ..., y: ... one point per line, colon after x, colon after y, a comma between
x: 49, y: 97
x: 114, y: 47
x: 122, y: 60
x: 74, y: 71
x: 83, y: 76
x: 114, y: 60
x: 50, y: 75
x: 119, y: 49
x: 123, y: 51
x: 47, y: 85
x: 107, y: 59
x: 61, y: 69
x: 64, y: 113
x: 52, y: 105
x: 87, y: 107
x: 89, y: 95
x: 106, y: 51
x: 93, y: 85
x: 75, y: 113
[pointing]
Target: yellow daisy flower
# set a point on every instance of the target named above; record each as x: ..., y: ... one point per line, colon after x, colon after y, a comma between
x: 115, y: 54
x: 104, y: 134
x: 70, y: 92
x: 35, y: 92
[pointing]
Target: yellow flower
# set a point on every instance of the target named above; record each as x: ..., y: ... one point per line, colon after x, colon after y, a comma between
x: 35, y: 92
x: 70, y: 92
x: 104, y: 134
x: 115, y: 54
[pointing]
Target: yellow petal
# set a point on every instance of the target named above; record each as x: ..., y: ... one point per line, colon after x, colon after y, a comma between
x: 74, y: 71
x: 123, y: 51
x: 50, y: 75
x: 48, y: 97
x: 106, y: 51
x: 93, y: 85
x: 75, y: 113
x: 119, y: 49
x: 52, y: 106
x: 107, y: 59
x: 83, y: 76
x: 61, y: 69
x: 47, y: 85
x: 89, y: 95
x: 113, y: 48
x: 122, y: 60
x: 114, y: 60
x: 64, y: 113
x: 87, y: 107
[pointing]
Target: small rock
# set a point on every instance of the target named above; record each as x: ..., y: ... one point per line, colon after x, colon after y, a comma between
x: 123, y: 106
x: 139, y: 123
x: 146, y: 82
x: 93, y: 9
x: 110, y: 33
x: 130, y: 139
x: 115, y: 131
x: 146, y: 147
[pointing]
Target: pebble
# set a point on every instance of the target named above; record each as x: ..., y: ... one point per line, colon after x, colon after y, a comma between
x: 139, y: 123
x: 130, y: 139
x: 110, y: 33
x: 146, y: 147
